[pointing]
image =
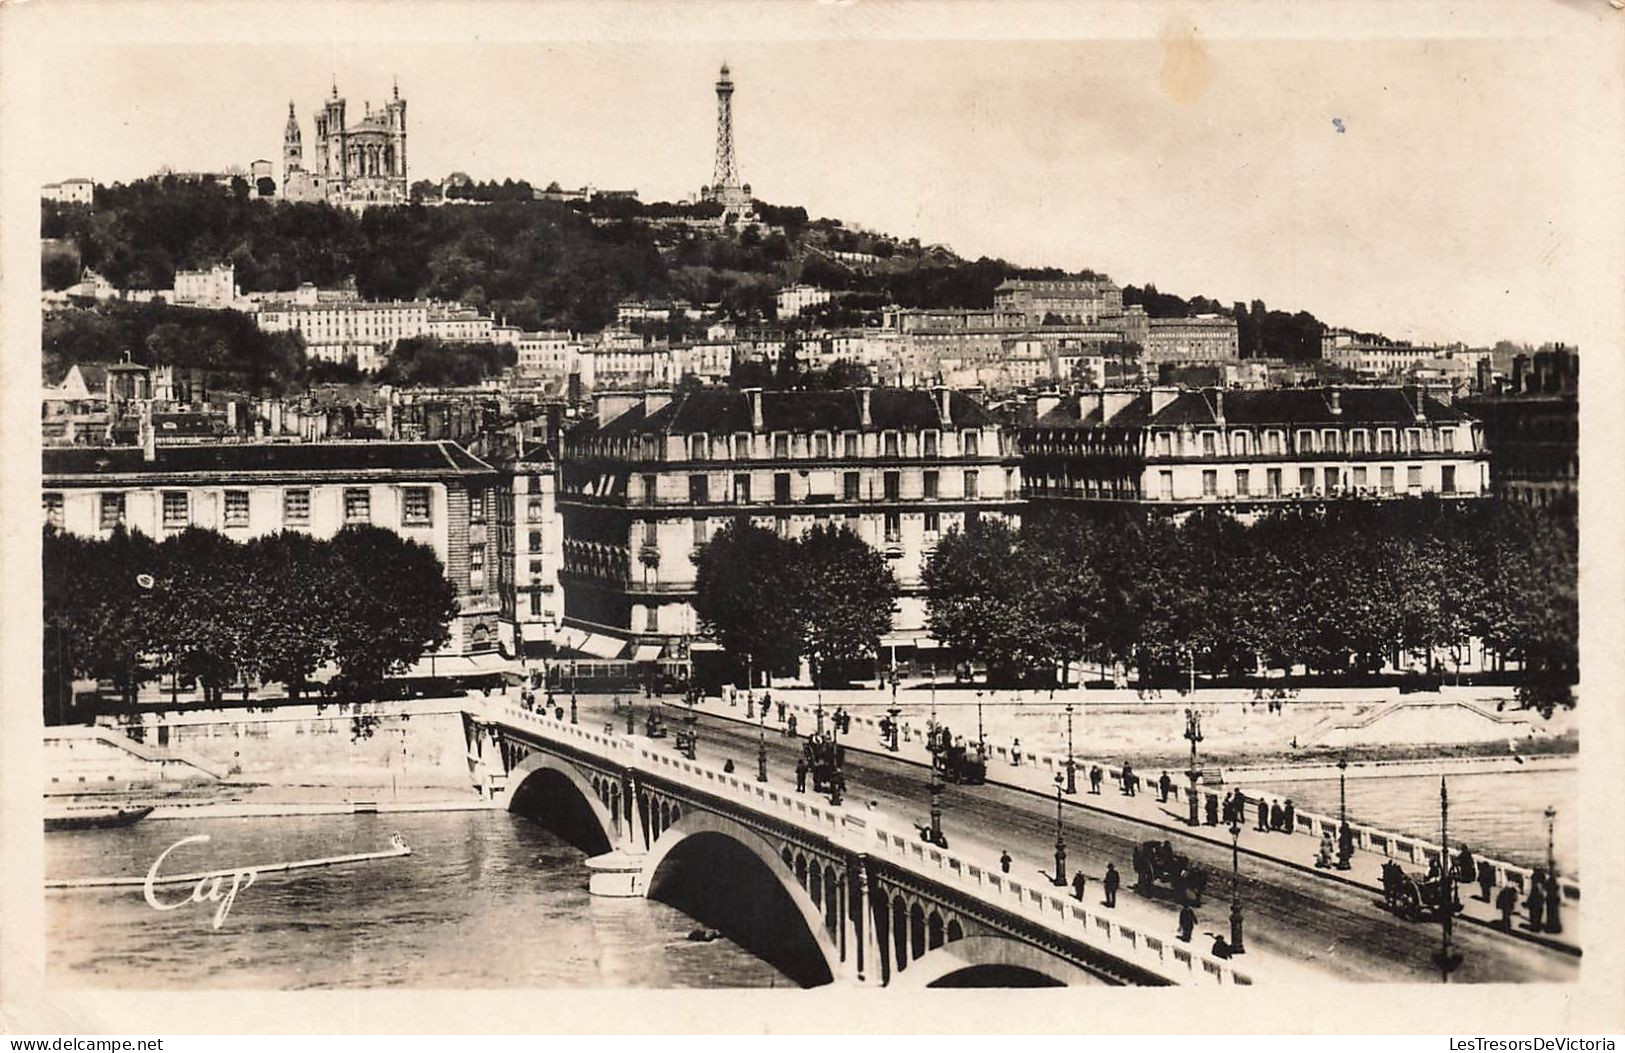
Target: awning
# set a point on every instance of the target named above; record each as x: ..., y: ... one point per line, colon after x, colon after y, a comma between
x: 489, y: 664
x: 601, y: 646
x: 647, y: 652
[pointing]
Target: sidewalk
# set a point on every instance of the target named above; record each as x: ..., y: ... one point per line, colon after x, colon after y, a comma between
x: 1038, y: 775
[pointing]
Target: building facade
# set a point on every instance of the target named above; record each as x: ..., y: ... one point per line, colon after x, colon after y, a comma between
x: 647, y: 483
x: 215, y: 287
x: 353, y: 165
x: 1174, y: 449
x: 1203, y: 338
x: 70, y: 192
x: 1074, y: 302
x: 793, y: 299
x: 1532, y: 428
x: 435, y: 493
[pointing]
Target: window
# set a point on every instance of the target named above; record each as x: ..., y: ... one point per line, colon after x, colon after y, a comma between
x: 535, y: 567
x: 176, y: 510
x: 476, y: 568
x: 1244, y: 483
x: 929, y: 479
x: 1359, y: 440
x: 973, y: 444
x: 1328, y: 440
x: 849, y: 486
x: 928, y: 444
x: 1447, y: 477
x: 742, y: 446
x: 970, y: 485
x: 52, y: 503
x: 781, y: 488
x: 851, y: 443
x: 236, y: 508
x: 1272, y: 442
x: 1306, y: 442
x: 1332, y: 479
x: 889, y: 445
x: 893, y: 485
x: 1413, y: 440
x: 702, y: 531
x: 741, y: 489
x: 1387, y: 484
x: 821, y: 446
x: 476, y: 506
x: 894, y: 526
x: 1385, y: 440
x: 535, y: 603
x: 536, y: 508
x: 357, y: 506
x: 1359, y: 478
x: 696, y: 447
x: 1167, y: 481
x: 1447, y: 437
x: 719, y: 447
x: 112, y: 510
x: 781, y: 446
x: 415, y: 506
x: 536, y: 541
x: 1210, y: 482
x: 1272, y: 481
x: 1238, y: 443
x: 699, y: 490
x: 296, y: 508
x: 1207, y: 444
x: 1306, y: 479
x: 1413, y: 477
x: 651, y: 488
x: 933, y: 523
x: 651, y: 621
x: 1165, y: 444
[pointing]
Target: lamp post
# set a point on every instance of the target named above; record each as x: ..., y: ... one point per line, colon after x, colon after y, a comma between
x: 761, y: 744
x: 1448, y: 958
x: 1236, y: 945
x: 1345, y: 847
x: 1060, y: 838
x: 1554, y: 921
x: 891, y: 736
x: 1193, y: 732
x: 1071, y: 763
x: 936, y: 784
x: 750, y: 689
x: 981, y: 739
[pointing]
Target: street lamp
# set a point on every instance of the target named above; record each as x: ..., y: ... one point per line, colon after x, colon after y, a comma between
x: 761, y: 743
x: 750, y: 690
x: 1071, y: 763
x: 1554, y: 921
x: 981, y: 739
x: 936, y: 785
x: 1448, y: 959
x: 1193, y: 732
x: 1345, y: 839
x: 894, y: 713
x: 1236, y: 946
x: 1060, y: 839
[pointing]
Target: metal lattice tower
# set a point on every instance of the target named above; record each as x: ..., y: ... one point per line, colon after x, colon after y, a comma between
x: 726, y: 176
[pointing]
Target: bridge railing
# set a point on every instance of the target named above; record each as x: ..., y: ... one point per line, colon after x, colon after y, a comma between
x: 859, y: 830
x: 1399, y: 846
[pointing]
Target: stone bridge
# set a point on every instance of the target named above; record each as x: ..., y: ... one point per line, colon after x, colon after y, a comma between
x: 825, y: 893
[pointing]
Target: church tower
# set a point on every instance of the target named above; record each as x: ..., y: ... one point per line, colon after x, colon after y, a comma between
x: 292, y: 151
x: 395, y: 111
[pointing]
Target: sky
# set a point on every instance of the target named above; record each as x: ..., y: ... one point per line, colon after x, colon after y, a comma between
x: 1436, y: 182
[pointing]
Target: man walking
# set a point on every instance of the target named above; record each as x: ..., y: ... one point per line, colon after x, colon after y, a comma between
x: 1212, y: 810
x: 1289, y: 817
x: 1110, y: 883
x: 1536, y: 903
x: 1263, y: 816
x: 1078, y: 882
x: 1506, y: 902
x: 1005, y: 861
x: 1095, y: 775
x: 801, y: 775
x: 1164, y: 784
x: 1187, y: 923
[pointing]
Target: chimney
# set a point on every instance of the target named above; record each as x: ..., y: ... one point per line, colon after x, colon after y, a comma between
x: 1421, y: 403
x: 149, y: 435
x: 231, y: 416
x: 276, y: 417
x: 865, y: 418
x: 944, y: 404
x: 1218, y: 406
x: 1520, y: 365
x: 754, y: 395
x: 1337, y: 403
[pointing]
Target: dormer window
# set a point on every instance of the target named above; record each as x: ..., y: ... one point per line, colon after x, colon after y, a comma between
x: 889, y: 444
x: 696, y: 447
x: 972, y: 444
x: 781, y: 446
x: 928, y: 444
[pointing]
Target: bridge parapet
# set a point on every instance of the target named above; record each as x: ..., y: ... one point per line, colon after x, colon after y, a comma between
x: 970, y: 874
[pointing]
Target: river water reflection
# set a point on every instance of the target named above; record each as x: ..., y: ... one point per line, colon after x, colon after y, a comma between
x: 487, y: 899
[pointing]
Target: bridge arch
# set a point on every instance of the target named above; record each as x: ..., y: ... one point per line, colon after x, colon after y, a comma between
x: 991, y: 960
x: 760, y: 904
x: 556, y: 794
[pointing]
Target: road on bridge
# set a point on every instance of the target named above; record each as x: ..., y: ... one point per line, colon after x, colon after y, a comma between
x: 1324, y: 924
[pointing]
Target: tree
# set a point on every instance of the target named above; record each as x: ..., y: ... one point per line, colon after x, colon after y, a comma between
x: 287, y: 629
x: 844, y: 597
x: 390, y: 604
x: 980, y: 600
x: 95, y: 596
x: 745, y: 589
x: 199, y: 606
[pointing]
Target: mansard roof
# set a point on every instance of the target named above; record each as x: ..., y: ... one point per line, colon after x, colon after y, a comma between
x: 252, y: 461
x: 1274, y: 406
x: 720, y: 411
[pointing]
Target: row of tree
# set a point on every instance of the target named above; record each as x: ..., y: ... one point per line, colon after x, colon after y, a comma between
x: 1342, y: 589
x: 825, y: 597
x: 275, y: 609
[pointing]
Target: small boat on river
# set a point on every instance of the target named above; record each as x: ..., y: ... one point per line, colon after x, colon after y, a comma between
x: 94, y: 817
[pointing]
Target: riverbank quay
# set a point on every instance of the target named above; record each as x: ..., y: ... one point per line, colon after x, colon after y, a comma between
x: 1039, y: 773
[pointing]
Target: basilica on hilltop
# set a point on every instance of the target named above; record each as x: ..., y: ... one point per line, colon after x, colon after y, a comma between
x: 353, y: 166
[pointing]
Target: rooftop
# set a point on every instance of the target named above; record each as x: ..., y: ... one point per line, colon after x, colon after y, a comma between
x: 419, y: 459
x: 1288, y: 406
x: 720, y: 411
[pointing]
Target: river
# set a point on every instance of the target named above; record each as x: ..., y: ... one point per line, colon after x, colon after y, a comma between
x: 486, y: 899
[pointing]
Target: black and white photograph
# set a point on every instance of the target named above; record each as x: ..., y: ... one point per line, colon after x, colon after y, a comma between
x: 845, y: 497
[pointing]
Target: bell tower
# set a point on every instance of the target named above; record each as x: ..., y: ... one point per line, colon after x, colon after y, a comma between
x: 292, y: 151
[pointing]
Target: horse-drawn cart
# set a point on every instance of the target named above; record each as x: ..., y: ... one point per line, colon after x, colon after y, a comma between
x: 1156, y: 861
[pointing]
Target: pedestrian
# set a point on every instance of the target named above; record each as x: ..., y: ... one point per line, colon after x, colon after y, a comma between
x: 1212, y: 810
x: 790, y: 726
x: 1289, y: 820
x: 801, y: 775
x: 1263, y: 815
x: 1536, y: 903
x: 1078, y: 882
x: 1110, y: 883
x: 1095, y: 775
x: 1187, y: 923
x: 1128, y: 780
x: 766, y: 698
x: 1005, y: 861
x: 1277, y: 816
x: 1324, y: 859
x: 1506, y: 901
x: 728, y: 766
x: 1486, y: 879
x: 1015, y: 752
x: 1164, y: 784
